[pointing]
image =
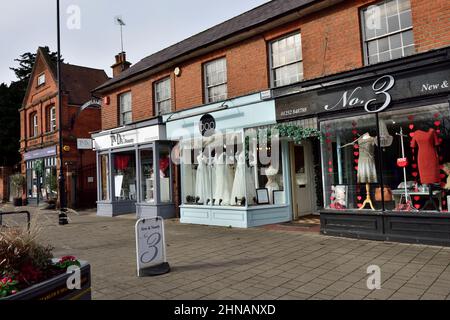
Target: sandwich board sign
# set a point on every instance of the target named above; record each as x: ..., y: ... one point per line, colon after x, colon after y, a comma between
x: 151, y: 247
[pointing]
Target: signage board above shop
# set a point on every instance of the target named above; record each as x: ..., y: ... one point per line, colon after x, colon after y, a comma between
x: 111, y: 139
x: 40, y: 153
x: 372, y: 94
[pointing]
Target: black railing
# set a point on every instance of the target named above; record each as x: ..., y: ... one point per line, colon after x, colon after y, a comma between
x: 16, y: 212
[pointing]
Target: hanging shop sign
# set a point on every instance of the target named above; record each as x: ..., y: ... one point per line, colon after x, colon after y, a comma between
x: 84, y: 144
x: 108, y: 140
x: 372, y: 95
x: 151, y: 247
x: 207, y: 125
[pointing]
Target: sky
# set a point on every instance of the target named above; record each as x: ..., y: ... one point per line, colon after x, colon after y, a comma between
x: 89, y: 36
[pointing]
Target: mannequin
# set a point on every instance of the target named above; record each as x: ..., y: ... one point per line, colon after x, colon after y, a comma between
x: 222, y: 187
x: 251, y: 189
x: 272, y: 183
x: 367, y: 172
x: 238, y: 190
x: 203, y: 184
x: 428, y: 159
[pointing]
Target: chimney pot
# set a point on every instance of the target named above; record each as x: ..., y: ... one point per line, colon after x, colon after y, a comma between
x: 121, y: 64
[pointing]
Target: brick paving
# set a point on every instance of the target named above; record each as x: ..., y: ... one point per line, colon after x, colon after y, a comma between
x: 260, y: 263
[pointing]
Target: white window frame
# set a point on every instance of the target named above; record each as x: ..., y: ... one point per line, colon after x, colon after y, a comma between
x: 208, y: 87
x: 52, y: 119
x: 271, y: 60
x: 41, y: 80
x: 386, y: 35
x: 158, y: 102
x: 34, y: 119
x: 122, y: 112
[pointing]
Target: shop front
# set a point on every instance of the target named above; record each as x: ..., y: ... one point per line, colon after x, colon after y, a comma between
x: 134, y: 171
x: 41, y: 176
x: 231, y: 175
x: 385, y: 148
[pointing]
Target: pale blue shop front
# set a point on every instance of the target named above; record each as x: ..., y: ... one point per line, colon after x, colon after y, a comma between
x: 267, y: 197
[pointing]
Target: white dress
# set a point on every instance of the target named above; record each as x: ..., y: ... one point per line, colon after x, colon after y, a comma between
x: 238, y: 190
x: 222, y: 188
x: 202, y: 181
x: 251, y: 188
x: 367, y: 172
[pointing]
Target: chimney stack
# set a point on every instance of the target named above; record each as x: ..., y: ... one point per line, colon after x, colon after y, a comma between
x: 121, y: 64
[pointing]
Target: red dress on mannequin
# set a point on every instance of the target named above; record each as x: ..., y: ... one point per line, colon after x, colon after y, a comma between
x: 428, y: 159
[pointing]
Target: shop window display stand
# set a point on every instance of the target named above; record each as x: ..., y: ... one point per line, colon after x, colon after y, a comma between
x: 407, y: 197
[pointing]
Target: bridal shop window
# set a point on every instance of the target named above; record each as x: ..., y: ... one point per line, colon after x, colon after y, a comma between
x: 264, y: 169
x: 236, y: 174
x: 350, y: 163
x: 213, y: 171
x: 416, y: 158
x: 147, y: 176
x: 124, y: 175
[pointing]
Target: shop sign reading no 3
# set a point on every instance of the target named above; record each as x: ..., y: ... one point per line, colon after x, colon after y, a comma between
x: 380, y: 87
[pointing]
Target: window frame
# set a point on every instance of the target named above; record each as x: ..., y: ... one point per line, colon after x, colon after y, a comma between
x: 51, y: 118
x: 271, y: 67
x: 121, y: 112
x: 155, y: 95
x: 34, y: 125
x: 205, y: 82
x: 365, y: 41
x: 39, y: 77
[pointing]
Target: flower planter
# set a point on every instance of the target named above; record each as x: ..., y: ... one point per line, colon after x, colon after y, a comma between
x: 56, y: 288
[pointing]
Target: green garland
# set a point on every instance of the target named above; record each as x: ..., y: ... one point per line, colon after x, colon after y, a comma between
x: 296, y: 133
x: 290, y: 131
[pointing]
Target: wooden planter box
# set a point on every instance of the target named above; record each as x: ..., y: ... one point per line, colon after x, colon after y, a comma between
x: 56, y: 288
x: 422, y: 228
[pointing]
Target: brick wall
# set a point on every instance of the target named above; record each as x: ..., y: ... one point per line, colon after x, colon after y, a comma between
x: 331, y: 43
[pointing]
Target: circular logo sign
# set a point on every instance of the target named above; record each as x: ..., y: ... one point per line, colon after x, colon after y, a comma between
x: 207, y: 125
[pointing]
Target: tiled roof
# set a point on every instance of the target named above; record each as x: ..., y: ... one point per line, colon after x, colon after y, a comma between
x: 79, y: 81
x: 250, y: 19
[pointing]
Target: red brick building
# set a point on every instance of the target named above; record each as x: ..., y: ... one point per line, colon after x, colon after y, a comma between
x: 40, y: 131
x: 280, y: 50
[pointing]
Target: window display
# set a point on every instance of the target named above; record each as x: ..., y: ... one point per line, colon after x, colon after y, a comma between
x: 350, y: 158
x: 124, y: 172
x: 414, y: 170
x: 399, y: 165
x: 104, y: 174
x: 147, y: 176
x: 164, y: 174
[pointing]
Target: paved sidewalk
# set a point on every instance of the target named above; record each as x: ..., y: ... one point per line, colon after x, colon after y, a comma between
x: 224, y: 263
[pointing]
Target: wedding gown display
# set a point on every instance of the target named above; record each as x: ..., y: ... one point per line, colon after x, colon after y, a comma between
x: 203, y: 180
x: 367, y: 172
x: 251, y: 188
x: 238, y: 190
x: 222, y: 188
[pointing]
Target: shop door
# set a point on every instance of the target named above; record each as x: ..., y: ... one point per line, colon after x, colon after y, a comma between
x: 302, y: 179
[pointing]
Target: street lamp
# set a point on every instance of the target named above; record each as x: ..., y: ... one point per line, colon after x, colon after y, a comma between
x: 62, y: 192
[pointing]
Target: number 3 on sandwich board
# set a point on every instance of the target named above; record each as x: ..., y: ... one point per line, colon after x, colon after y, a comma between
x: 151, y: 247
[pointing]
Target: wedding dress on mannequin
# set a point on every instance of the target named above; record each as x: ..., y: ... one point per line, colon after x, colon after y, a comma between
x: 221, y: 184
x: 239, y: 183
x: 251, y: 188
x: 202, y: 181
